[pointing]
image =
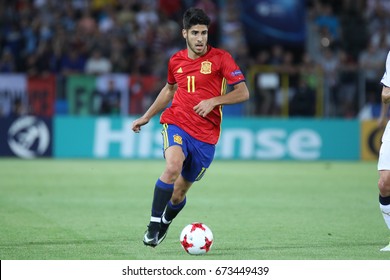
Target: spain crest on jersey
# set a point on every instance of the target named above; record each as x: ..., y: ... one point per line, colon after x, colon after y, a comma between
x: 205, y: 67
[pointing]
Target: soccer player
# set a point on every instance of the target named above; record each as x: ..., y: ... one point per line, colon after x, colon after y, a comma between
x: 196, y: 85
x: 384, y: 153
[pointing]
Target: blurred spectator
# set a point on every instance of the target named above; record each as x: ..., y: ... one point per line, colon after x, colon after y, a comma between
x: 377, y: 12
x: 80, y: 4
x: 288, y: 65
x: 13, y: 41
x: 101, y: 4
x: 126, y: 15
x: 107, y: 19
x: 329, y: 63
x: 97, y: 64
x: 30, y: 31
x: 142, y: 65
x: 109, y: 101
x: 381, y: 37
x: 137, y: 95
x: 147, y: 17
x: 56, y: 58
x: 143, y: 91
x: 371, y: 62
x: 17, y: 109
x: 7, y: 63
x: 309, y: 71
x: 327, y: 20
x: 354, y: 31
x: 280, y: 61
x: 72, y: 62
x: 87, y: 24
x: 119, y: 56
x: 277, y: 55
x: 167, y: 35
x: 303, y: 101
x: 288, y: 70
x: 171, y: 9
x: 313, y: 41
x: 371, y: 109
x: 32, y: 68
x: 68, y: 17
x: 39, y: 63
x: 266, y: 84
x: 232, y: 34
x: 346, y: 100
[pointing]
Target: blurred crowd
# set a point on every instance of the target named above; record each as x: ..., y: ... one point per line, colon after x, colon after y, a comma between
x: 95, y: 37
x: 346, y: 46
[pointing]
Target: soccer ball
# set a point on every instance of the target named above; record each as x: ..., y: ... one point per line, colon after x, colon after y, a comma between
x: 196, y: 239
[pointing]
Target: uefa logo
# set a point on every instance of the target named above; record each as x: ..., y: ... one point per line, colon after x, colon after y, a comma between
x: 28, y: 137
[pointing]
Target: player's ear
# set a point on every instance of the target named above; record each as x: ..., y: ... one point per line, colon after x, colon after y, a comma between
x: 184, y: 33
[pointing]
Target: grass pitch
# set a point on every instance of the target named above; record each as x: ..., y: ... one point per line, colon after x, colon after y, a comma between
x: 99, y: 209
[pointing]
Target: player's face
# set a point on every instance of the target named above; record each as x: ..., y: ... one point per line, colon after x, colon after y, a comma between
x: 196, y: 38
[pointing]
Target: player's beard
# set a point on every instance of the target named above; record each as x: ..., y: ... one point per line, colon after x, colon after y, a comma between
x: 195, y: 50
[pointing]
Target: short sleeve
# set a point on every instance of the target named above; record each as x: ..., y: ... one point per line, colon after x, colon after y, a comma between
x: 230, y: 70
x: 171, y: 78
x: 386, y: 77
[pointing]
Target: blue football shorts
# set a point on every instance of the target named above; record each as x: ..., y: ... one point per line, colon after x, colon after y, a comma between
x: 198, y: 154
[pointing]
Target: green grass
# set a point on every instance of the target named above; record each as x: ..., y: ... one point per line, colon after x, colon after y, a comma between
x: 99, y: 209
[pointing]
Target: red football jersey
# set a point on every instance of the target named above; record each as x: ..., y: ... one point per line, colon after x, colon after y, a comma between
x: 197, y: 80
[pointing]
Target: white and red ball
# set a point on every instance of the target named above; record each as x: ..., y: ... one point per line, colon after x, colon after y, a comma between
x: 196, y: 239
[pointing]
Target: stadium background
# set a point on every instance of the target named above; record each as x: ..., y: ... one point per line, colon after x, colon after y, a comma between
x: 296, y: 172
x: 74, y: 74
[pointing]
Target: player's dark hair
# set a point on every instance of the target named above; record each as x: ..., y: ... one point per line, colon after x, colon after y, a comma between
x: 194, y: 16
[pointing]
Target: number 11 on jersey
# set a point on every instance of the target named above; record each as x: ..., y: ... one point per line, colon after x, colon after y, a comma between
x: 191, y: 84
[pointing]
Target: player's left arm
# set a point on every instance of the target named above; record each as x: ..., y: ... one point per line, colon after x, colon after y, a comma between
x: 240, y: 93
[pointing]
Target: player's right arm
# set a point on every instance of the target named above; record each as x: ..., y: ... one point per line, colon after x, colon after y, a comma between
x: 386, y: 95
x: 164, y: 97
x: 382, y: 120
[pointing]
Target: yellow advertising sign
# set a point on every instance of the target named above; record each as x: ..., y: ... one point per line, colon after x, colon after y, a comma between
x: 371, y: 136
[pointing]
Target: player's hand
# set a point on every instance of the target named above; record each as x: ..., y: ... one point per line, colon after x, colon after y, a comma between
x: 204, y: 107
x: 136, y: 127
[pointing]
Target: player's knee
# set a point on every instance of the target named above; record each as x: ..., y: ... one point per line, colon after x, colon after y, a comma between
x: 173, y: 169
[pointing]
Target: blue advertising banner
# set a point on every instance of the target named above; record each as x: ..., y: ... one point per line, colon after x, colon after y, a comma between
x: 249, y: 138
x: 289, y: 139
x: 269, y: 22
x: 26, y: 137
